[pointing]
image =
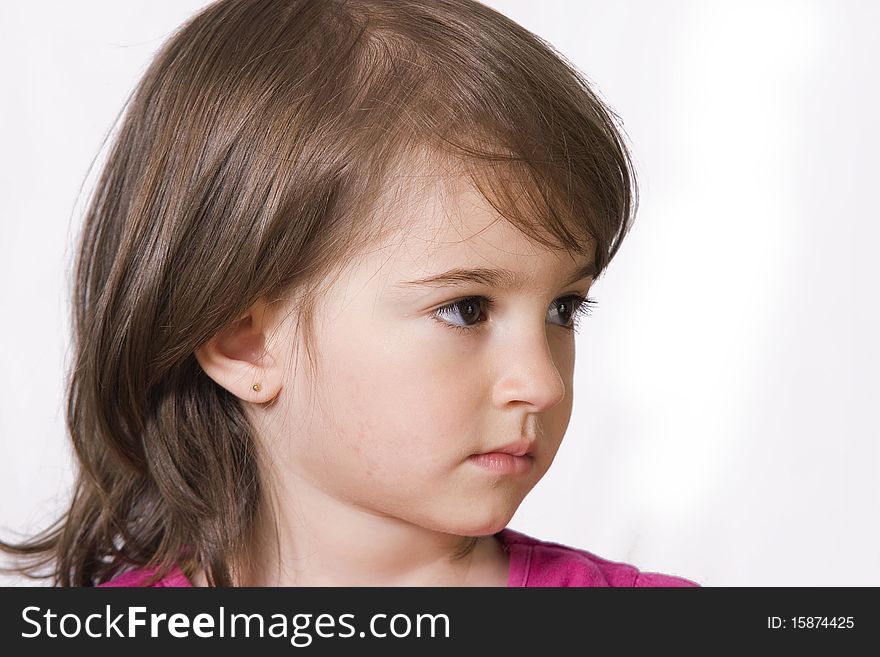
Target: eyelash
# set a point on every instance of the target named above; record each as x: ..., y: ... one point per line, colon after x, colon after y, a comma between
x: 584, y: 307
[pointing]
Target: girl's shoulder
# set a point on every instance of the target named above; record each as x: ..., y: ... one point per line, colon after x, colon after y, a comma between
x: 139, y: 577
x: 534, y: 562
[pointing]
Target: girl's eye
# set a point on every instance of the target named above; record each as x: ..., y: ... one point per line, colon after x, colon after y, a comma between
x: 471, y: 309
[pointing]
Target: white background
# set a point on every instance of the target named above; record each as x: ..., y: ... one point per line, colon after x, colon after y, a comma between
x: 726, y: 395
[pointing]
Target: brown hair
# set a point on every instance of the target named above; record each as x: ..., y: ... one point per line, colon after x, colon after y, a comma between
x: 255, y: 157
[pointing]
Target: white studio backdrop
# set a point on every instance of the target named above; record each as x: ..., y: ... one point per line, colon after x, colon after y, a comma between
x: 725, y: 421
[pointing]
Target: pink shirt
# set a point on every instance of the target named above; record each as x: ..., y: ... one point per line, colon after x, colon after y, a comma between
x: 532, y: 563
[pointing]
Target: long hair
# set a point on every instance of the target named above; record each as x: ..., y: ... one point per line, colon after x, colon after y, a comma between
x: 256, y: 155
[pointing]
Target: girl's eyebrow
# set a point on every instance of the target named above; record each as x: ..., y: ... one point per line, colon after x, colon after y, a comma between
x: 502, y: 278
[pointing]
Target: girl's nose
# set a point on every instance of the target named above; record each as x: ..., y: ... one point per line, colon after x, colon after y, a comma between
x: 527, y: 372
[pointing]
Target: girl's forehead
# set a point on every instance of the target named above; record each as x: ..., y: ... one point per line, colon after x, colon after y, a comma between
x: 479, y: 249
x: 449, y: 221
x: 435, y: 219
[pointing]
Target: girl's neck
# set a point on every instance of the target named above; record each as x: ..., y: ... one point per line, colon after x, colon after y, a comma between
x: 486, y: 565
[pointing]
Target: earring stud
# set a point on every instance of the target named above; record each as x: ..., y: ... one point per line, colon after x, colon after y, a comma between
x: 256, y: 387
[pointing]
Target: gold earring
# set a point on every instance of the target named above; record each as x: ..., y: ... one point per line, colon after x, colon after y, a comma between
x: 256, y: 387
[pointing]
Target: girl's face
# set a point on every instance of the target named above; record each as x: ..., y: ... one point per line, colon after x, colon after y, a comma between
x: 403, y: 398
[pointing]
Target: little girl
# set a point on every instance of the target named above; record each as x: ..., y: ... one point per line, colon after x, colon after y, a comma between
x: 325, y: 300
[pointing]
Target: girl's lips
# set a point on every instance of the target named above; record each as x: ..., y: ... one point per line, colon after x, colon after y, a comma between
x: 522, y: 447
x: 502, y: 463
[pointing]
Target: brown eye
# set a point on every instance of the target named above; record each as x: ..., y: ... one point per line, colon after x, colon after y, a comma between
x: 565, y: 309
x: 470, y: 309
x: 571, y: 308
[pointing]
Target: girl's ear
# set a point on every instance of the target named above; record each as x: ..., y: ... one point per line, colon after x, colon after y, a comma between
x: 240, y: 359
